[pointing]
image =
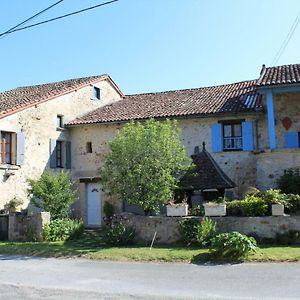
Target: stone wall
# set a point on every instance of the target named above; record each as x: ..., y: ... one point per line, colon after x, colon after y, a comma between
x: 167, y: 228
x: 23, y: 227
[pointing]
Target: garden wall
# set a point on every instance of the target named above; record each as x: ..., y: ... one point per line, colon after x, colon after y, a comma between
x: 167, y: 228
x: 23, y: 227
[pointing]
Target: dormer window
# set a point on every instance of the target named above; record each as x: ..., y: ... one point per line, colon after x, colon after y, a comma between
x: 96, y: 92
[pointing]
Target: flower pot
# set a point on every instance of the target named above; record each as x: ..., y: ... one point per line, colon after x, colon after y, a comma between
x: 277, y: 209
x: 177, y: 210
x: 214, y: 209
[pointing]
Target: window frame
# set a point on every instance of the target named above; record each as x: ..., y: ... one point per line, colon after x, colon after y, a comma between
x: 89, y: 147
x: 96, y: 93
x: 59, y: 121
x: 59, y: 158
x: 3, y: 148
x: 232, y: 123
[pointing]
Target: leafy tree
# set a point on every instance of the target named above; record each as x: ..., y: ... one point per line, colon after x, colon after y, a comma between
x: 145, y: 163
x: 53, y: 192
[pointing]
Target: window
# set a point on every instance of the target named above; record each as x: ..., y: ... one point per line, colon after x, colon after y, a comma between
x: 59, y: 121
x: 96, y: 92
x: 59, y: 154
x: 89, y: 147
x: 6, y: 147
x: 232, y: 136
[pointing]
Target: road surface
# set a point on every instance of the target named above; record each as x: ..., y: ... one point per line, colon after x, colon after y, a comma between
x: 49, y: 278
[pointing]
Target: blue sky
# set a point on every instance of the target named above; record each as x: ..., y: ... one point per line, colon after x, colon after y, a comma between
x: 147, y: 45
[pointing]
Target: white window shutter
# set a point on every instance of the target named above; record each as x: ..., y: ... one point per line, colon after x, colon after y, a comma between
x: 20, y: 157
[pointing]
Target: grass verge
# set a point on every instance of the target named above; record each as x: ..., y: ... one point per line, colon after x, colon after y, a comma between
x: 266, y: 253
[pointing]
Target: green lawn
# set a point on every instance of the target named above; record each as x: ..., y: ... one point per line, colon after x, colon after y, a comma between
x: 140, y: 253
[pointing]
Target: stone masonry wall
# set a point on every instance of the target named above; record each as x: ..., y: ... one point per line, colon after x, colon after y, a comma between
x: 167, y: 228
x: 21, y: 227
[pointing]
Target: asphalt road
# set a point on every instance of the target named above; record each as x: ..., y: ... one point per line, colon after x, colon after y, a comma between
x: 48, y: 278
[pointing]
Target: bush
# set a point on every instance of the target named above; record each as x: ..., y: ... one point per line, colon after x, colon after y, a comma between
x: 234, y: 208
x: 288, y: 238
x: 293, y: 202
x: 108, y: 209
x: 118, y: 235
x: 196, y: 211
x: 253, y: 206
x: 53, y: 193
x: 188, y: 230
x: 62, y: 230
x: 206, y: 232
x: 232, y: 245
x: 198, y: 233
x: 289, y: 182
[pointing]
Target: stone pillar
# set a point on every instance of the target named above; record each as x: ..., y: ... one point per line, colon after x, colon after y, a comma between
x: 271, y: 120
x: 40, y: 220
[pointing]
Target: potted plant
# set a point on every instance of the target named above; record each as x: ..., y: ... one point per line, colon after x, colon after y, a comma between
x: 177, y: 209
x: 13, y: 204
x: 216, y: 208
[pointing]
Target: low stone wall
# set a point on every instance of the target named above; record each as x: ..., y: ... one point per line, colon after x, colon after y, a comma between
x: 23, y: 227
x: 167, y: 228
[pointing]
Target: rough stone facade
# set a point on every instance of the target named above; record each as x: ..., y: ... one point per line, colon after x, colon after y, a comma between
x: 38, y: 123
x: 23, y: 227
x: 167, y: 228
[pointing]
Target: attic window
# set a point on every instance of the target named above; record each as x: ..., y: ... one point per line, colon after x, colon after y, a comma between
x: 89, y: 147
x: 59, y: 121
x: 96, y: 93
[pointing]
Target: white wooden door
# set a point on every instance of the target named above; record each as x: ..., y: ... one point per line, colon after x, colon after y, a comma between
x: 94, y: 203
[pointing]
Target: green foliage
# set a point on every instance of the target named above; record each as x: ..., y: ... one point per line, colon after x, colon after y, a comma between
x: 232, y: 245
x: 13, y: 203
x: 62, y: 230
x: 198, y: 233
x: 234, y: 208
x: 206, y: 232
x: 197, y: 211
x: 189, y: 229
x: 292, y: 203
x: 108, y: 209
x: 145, y: 163
x: 53, y: 192
x: 30, y: 234
x: 253, y: 205
x: 289, y: 182
x: 288, y: 238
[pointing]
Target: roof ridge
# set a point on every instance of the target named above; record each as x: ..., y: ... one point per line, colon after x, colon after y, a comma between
x: 192, y: 89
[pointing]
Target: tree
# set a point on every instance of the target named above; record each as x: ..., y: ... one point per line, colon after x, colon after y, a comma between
x: 53, y: 192
x: 145, y: 163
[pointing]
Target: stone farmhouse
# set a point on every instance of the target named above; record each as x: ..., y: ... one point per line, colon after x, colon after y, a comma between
x: 251, y: 129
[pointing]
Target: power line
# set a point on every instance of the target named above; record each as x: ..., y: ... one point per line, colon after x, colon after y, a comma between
x: 31, y: 18
x: 286, y: 40
x: 61, y: 17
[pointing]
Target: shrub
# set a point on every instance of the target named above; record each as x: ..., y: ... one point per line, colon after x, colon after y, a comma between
x: 232, y: 245
x: 234, y: 208
x: 62, y: 230
x: 108, y: 209
x: 253, y: 205
x: 118, y: 235
x: 198, y: 233
x: 54, y: 193
x: 288, y: 238
x: 206, y: 232
x: 196, y: 211
x: 13, y: 203
x: 188, y: 230
x: 289, y: 182
x: 293, y: 202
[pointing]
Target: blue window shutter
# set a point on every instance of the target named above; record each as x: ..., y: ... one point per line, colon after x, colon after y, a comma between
x: 53, y: 154
x: 248, y: 136
x: 68, y: 155
x: 20, y: 149
x: 216, y: 137
x: 291, y: 140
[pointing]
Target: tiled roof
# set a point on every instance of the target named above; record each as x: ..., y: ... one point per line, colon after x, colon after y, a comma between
x: 229, y: 98
x: 288, y: 74
x: 207, y: 174
x: 23, y: 97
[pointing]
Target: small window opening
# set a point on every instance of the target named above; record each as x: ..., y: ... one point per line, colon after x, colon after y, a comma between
x: 59, y: 121
x: 89, y: 147
x: 96, y: 93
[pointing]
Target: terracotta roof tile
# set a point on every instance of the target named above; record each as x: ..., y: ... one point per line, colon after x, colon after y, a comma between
x: 287, y: 74
x: 24, y: 97
x: 229, y: 98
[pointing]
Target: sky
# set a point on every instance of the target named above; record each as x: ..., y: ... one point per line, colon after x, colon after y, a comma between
x: 147, y: 45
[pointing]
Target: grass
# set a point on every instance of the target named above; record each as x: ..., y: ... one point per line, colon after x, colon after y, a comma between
x: 266, y: 253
